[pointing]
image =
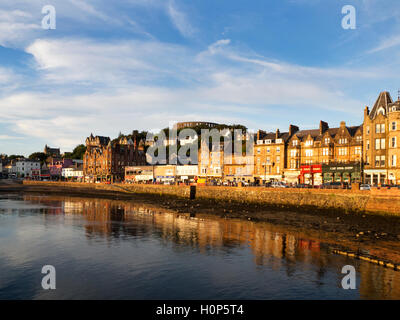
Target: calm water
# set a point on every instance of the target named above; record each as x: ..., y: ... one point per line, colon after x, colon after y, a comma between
x: 105, y: 249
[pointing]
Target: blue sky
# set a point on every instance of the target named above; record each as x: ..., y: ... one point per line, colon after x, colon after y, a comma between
x: 142, y: 64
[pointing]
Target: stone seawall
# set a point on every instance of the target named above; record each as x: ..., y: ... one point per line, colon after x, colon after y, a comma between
x: 384, y: 201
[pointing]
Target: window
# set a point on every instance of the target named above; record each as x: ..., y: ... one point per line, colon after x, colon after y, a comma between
x: 382, y: 161
x: 309, y: 153
x: 278, y: 149
x: 368, y: 145
x: 343, y: 141
x: 278, y: 159
x: 377, y: 128
x: 268, y: 160
x: 342, y: 151
x: 325, y: 151
x: 382, y: 128
x: 367, y: 129
x: 268, y: 150
x: 394, y: 160
x: 383, y: 144
x: 377, y: 144
x: 293, y: 153
x: 366, y: 160
x: 327, y: 140
x: 258, y: 150
x: 293, y: 164
x: 394, y: 126
x: 309, y: 143
x: 295, y: 142
x: 377, y: 161
x: 359, y: 138
x: 394, y: 142
x: 357, y: 150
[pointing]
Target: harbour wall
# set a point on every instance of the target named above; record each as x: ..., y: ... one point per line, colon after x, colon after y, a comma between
x: 381, y: 201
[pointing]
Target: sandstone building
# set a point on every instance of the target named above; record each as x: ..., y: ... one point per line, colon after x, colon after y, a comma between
x: 381, y: 141
x: 105, y: 160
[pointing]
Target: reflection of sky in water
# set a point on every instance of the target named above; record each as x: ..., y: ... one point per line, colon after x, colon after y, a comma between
x: 117, y: 250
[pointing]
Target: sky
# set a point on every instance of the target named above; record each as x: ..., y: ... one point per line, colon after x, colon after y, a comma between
x: 123, y: 65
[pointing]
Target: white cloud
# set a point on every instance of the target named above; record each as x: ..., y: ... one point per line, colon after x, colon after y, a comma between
x: 386, y: 44
x: 180, y: 20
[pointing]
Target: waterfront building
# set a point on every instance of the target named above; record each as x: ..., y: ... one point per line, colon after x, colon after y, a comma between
x: 23, y: 167
x: 165, y: 173
x: 187, y: 173
x: 44, y: 172
x: 239, y: 168
x: 211, y: 162
x: 105, y: 160
x: 381, y: 138
x: 270, y: 156
x: 316, y: 153
x: 56, y: 166
x: 139, y: 174
x: 74, y: 172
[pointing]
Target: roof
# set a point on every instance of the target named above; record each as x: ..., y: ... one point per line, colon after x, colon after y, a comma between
x: 383, y: 101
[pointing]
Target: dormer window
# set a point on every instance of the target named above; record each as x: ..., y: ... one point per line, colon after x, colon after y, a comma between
x: 309, y: 143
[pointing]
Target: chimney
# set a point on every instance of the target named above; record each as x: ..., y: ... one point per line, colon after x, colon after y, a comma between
x: 366, y: 111
x: 277, y: 134
x: 323, y: 126
x: 293, y: 129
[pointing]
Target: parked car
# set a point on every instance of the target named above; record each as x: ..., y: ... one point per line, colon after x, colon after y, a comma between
x: 303, y: 186
x: 365, y: 187
x: 332, y: 185
x: 278, y: 184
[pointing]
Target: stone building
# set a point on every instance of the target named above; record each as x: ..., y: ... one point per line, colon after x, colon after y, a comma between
x: 105, y: 160
x: 381, y: 138
x: 52, y: 152
x: 270, y: 155
x: 211, y: 162
x: 325, y: 154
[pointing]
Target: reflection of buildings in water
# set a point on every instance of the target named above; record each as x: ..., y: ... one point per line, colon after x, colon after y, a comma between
x: 114, y: 219
x: 378, y: 282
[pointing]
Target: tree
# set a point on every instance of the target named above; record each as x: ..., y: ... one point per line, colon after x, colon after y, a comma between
x: 78, y: 152
x: 40, y: 156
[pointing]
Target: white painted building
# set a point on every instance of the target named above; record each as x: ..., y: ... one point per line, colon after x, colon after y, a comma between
x: 187, y: 172
x: 72, y: 172
x: 24, y: 167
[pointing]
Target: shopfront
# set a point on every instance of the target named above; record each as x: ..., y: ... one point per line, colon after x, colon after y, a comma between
x: 343, y: 173
x: 311, y: 174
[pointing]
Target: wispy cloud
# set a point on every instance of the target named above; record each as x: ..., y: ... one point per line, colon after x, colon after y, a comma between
x: 180, y: 20
x: 386, y: 44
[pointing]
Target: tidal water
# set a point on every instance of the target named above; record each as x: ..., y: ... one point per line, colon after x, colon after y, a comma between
x: 109, y: 249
